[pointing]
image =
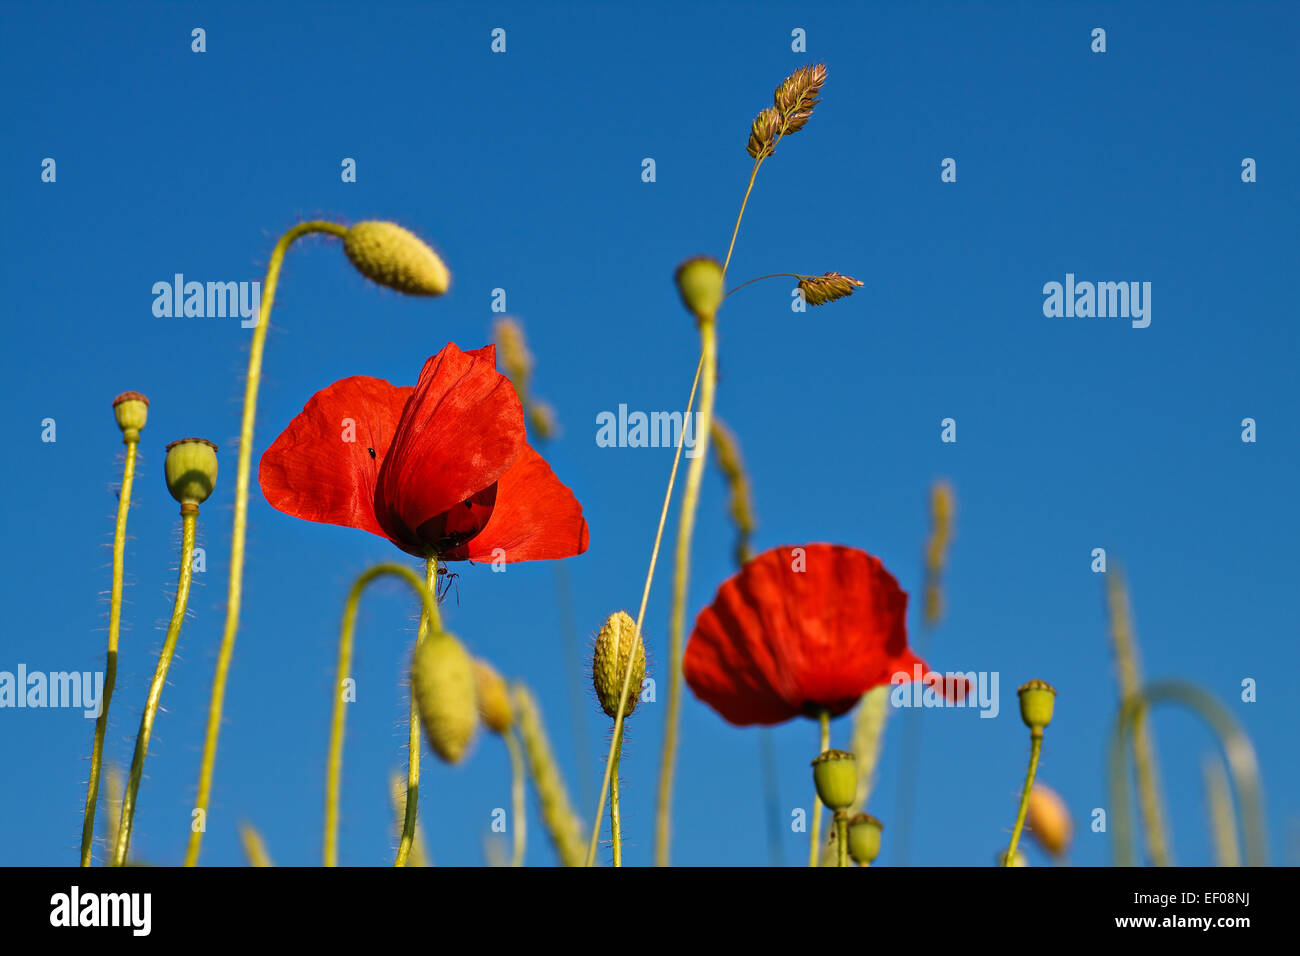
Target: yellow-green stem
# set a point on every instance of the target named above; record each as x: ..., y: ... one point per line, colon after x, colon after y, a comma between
x: 189, y: 519
x: 615, y: 828
x: 1035, y: 748
x: 640, y: 619
x: 681, y: 578
x: 842, y: 837
x: 235, y: 593
x: 429, y: 620
x: 814, y: 839
x: 517, y: 794
x: 110, y: 668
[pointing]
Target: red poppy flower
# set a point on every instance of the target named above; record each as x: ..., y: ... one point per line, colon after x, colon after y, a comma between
x: 794, y: 635
x: 440, y: 467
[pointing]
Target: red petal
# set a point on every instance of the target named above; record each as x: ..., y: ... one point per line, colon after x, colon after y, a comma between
x: 778, y: 642
x: 536, y: 517
x: 311, y: 472
x: 460, y: 432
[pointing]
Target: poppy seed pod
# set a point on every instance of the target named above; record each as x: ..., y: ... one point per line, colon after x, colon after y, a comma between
x: 1037, y: 700
x: 700, y: 281
x: 131, y: 409
x: 615, y: 644
x: 390, y: 255
x: 191, y: 470
x: 1049, y: 820
x: 442, y: 677
x: 835, y: 772
x: 493, y: 698
x: 864, y: 838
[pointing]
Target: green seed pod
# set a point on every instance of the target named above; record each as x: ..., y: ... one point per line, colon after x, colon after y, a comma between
x: 864, y: 838
x: 614, y: 645
x: 191, y: 470
x: 700, y: 281
x: 442, y: 677
x: 390, y: 255
x: 835, y: 772
x: 131, y: 409
x: 1037, y: 701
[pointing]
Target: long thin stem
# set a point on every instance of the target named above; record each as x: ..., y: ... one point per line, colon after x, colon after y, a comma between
x: 1035, y: 748
x: 519, y: 809
x: 681, y: 576
x: 640, y: 619
x: 842, y: 838
x: 772, y: 275
x: 110, y: 668
x: 814, y: 840
x: 235, y: 593
x: 615, y: 827
x: 429, y: 620
x: 189, y: 519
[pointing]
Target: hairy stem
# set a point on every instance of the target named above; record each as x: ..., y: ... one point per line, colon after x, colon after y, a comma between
x: 1035, y: 749
x: 615, y: 829
x: 429, y: 619
x: 814, y: 839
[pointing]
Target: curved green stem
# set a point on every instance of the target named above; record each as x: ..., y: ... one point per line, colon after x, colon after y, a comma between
x: 114, y: 631
x: 681, y: 577
x: 189, y: 519
x: 814, y: 839
x: 517, y: 794
x: 615, y: 827
x: 1035, y: 748
x: 429, y: 620
x: 1237, y: 748
x: 235, y: 592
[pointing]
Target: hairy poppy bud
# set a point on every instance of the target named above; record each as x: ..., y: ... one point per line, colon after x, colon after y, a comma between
x: 390, y: 255
x: 442, y: 677
x: 864, y: 838
x: 1037, y: 700
x: 615, y: 644
x: 1018, y: 860
x: 191, y: 470
x: 493, y: 698
x: 1049, y: 820
x: 131, y: 409
x: 835, y: 772
x: 700, y: 281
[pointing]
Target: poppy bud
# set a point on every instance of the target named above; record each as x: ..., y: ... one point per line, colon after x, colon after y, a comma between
x: 614, y: 645
x: 864, y: 838
x: 493, y: 698
x: 1049, y: 820
x: 390, y: 255
x: 442, y: 677
x: 835, y: 772
x: 191, y: 469
x: 131, y: 409
x: 1018, y: 860
x: 1037, y: 699
x: 700, y: 281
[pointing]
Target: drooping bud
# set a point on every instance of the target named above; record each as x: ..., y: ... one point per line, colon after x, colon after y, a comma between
x: 864, y: 838
x: 616, y: 643
x: 1037, y: 701
x: 1049, y: 820
x: 493, y: 698
x: 700, y: 282
x: 191, y: 470
x: 390, y: 255
x: 835, y: 772
x: 131, y: 409
x: 442, y: 678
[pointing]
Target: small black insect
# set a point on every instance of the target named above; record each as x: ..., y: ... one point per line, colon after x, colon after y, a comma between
x: 372, y: 452
x: 448, y: 578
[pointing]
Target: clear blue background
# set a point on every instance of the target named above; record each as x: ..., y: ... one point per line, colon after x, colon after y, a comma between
x: 525, y: 170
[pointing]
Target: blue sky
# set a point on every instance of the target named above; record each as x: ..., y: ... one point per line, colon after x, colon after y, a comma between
x: 524, y: 169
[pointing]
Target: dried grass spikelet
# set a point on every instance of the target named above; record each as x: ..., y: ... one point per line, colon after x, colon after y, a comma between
x: 518, y: 363
x: 1049, y: 820
x: 763, y: 133
x: 797, y: 95
x: 818, y: 290
x: 493, y: 698
x: 943, y: 507
x: 616, y: 645
x: 254, y: 846
x: 740, y: 504
x: 562, y: 824
x: 442, y: 679
x: 390, y: 255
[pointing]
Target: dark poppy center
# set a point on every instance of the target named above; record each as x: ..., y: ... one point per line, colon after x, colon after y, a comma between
x: 458, y: 524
